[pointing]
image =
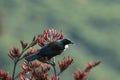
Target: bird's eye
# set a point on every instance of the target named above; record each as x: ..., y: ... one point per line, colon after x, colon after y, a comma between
x: 66, y: 46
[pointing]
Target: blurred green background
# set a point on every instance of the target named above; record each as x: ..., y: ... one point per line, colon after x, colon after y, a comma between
x: 93, y: 25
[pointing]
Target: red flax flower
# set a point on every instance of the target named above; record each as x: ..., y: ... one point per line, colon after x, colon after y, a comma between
x: 48, y: 36
x: 35, y: 70
x: 65, y: 63
x: 21, y: 77
x: 14, y: 53
x: 5, y: 76
x: 81, y: 75
x: 23, y: 44
x: 41, y: 73
x: 53, y: 78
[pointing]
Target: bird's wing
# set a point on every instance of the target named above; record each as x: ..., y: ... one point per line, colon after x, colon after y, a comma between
x: 56, y: 46
x: 51, y: 49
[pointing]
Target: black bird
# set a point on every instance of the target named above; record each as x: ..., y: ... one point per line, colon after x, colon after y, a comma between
x: 50, y: 50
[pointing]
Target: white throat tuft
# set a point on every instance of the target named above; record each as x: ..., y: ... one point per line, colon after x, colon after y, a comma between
x: 66, y: 46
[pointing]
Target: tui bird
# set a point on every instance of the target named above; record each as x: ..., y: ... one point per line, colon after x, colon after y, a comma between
x: 50, y: 50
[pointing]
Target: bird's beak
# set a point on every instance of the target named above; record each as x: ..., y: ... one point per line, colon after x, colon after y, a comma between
x: 71, y: 43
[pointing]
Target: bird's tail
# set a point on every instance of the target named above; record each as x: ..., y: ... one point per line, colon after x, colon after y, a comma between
x: 32, y: 57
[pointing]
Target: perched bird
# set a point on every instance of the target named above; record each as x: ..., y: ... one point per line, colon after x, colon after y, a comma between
x: 50, y: 50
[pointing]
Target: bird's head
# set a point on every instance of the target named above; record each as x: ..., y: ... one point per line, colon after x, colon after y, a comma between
x: 66, y: 41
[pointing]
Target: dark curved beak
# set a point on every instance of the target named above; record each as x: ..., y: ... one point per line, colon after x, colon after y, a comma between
x: 71, y: 43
